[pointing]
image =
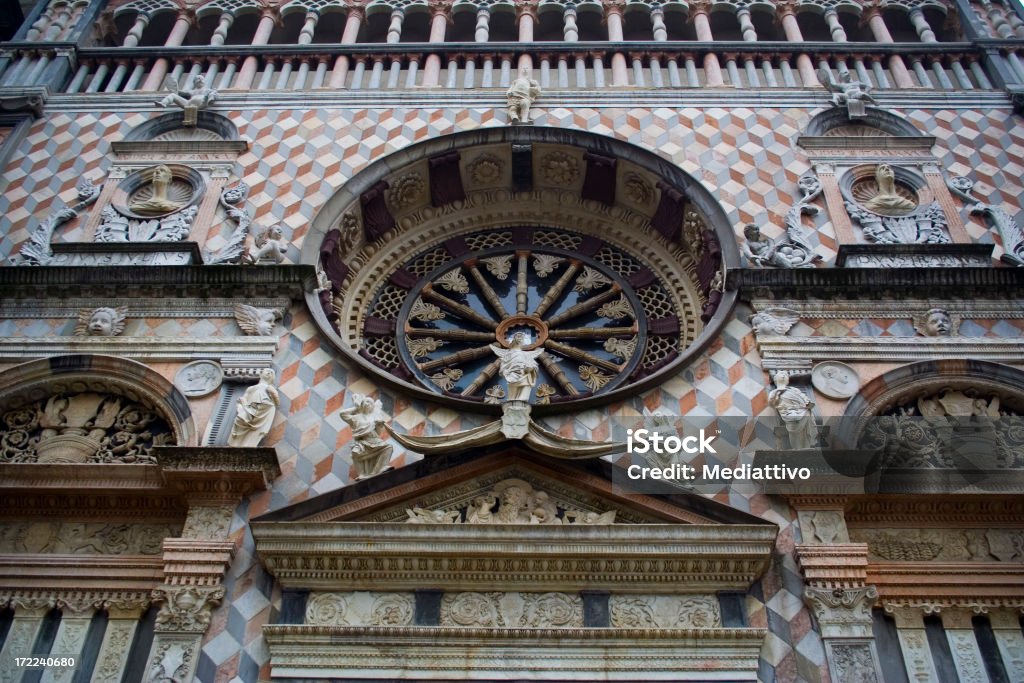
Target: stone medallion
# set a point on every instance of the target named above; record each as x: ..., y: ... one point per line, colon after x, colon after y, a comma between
x: 199, y: 378
x: 835, y: 380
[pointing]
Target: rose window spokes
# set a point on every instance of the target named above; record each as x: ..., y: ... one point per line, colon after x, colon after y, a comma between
x: 585, y: 310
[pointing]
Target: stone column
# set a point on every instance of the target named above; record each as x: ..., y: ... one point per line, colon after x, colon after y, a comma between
x: 963, y: 645
x: 924, y: 31
x: 1006, y: 629
x: 134, y: 34
x: 613, y: 17
x: 349, y: 35
x: 526, y: 17
x: 309, y: 27
x: 122, y: 621
x: 395, y: 27
x: 873, y: 15
x: 220, y: 34
x: 29, y: 612
x: 482, y: 32
x: 194, y: 567
x: 836, y: 571
x: 75, y: 615
x: 917, y: 656
x: 658, y: 29
x: 712, y: 69
x: 177, y: 37
x: 440, y: 15
x: 251, y: 64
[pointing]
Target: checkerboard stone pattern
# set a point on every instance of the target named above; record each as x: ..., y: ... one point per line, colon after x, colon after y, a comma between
x: 300, y: 158
x: 746, y: 156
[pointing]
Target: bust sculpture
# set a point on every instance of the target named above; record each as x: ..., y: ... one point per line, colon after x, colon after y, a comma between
x: 887, y: 201
x: 937, y: 323
x: 100, y: 322
x: 160, y: 178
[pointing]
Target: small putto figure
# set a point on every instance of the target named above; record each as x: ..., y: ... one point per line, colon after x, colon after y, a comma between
x: 271, y: 246
x: 100, y: 322
x: 191, y: 100
x: 521, y: 95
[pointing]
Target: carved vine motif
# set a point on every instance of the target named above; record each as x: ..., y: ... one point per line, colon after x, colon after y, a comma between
x: 662, y: 611
x: 84, y: 538
x: 85, y: 427
x: 926, y: 226
x: 170, y: 663
x: 118, y: 228
x: 854, y: 663
x: 997, y: 217
x: 950, y: 428
x: 512, y: 610
x: 37, y: 251
x: 359, y: 609
x: 512, y: 501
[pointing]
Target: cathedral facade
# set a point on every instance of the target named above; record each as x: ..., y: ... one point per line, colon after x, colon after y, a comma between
x: 324, y: 324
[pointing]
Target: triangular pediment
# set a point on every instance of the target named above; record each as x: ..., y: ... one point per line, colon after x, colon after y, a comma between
x: 469, y: 489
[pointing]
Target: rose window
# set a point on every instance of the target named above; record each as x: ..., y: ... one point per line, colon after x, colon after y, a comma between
x: 602, y: 317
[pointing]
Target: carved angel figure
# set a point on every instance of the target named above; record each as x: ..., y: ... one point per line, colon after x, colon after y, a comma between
x: 255, y: 412
x: 270, y: 246
x: 190, y: 100
x: 370, y: 453
x: 523, y: 92
x: 936, y: 323
x: 774, y: 320
x: 852, y: 94
x: 256, y: 321
x: 100, y: 322
x: 518, y: 366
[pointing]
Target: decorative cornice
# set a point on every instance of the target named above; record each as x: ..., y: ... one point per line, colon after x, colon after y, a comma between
x: 308, y: 652
x: 826, y: 283
x: 634, y: 558
x: 101, y: 574
x: 890, y: 349
x: 947, y: 584
x: 974, y: 511
x: 187, y: 281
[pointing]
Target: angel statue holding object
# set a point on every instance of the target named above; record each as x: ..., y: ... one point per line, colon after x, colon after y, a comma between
x: 518, y: 366
x: 852, y: 94
x: 370, y: 453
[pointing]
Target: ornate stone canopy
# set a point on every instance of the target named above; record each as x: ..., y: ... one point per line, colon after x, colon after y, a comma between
x: 609, y: 258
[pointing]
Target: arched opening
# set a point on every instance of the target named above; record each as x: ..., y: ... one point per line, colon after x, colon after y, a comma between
x: 203, y: 32
x: 589, y: 21
x: 463, y: 27
x: 158, y: 29
x: 242, y: 29
x: 678, y: 25
x: 579, y: 254
x: 899, y: 25
x: 725, y: 25
x: 330, y: 26
x: 416, y: 25
x: 856, y: 30
x: 503, y: 26
x: 550, y: 24
x: 813, y: 27
x: 291, y: 24
x: 637, y: 24
x: 375, y: 28
x: 765, y: 24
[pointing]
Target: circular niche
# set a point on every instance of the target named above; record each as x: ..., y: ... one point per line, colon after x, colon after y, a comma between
x: 885, y: 190
x: 508, y: 238
x: 158, y: 191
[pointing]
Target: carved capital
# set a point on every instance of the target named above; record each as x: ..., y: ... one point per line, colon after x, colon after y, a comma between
x: 842, y: 612
x: 186, y: 608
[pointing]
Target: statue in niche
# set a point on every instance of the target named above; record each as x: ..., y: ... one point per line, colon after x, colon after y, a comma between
x: 270, y: 247
x: 521, y: 95
x: 936, y: 323
x: 887, y: 201
x: 255, y: 413
x: 794, y: 407
x: 518, y: 367
x: 764, y: 251
x: 848, y: 92
x: 190, y: 100
x: 157, y: 203
x: 370, y: 453
x: 100, y: 322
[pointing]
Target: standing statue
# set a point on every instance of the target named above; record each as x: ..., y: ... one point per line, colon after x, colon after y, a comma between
x: 523, y: 92
x: 370, y: 454
x: 518, y: 366
x: 795, y: 410
x: 849, y: 93
x: 191, y: 100
x: 255, y: 413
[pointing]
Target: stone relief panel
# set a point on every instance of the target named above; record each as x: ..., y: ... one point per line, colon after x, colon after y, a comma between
x: 942, y: 545
x: 84, y: 538
x: 665, y: 611
x: 82, y: 427
x: 512, y: 501
x: 359, y: 608
x: 512, y: 610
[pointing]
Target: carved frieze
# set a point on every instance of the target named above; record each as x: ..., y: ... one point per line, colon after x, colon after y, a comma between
x: 512, y: 610
x: 942, y: 545
x: 359, y: 608
x: 84, y: 538
x: 665, y: 611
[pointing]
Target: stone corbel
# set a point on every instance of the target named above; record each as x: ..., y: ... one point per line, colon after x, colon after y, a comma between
x: 24, y: 99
